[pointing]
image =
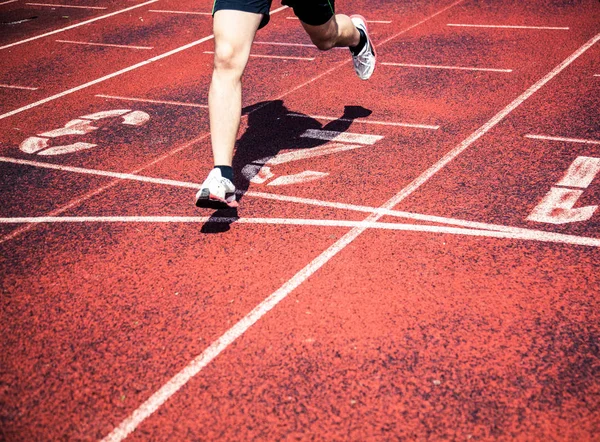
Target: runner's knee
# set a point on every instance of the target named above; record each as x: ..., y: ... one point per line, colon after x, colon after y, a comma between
x: 227, y: 58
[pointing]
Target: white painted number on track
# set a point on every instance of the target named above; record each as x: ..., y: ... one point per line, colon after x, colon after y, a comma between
x: 40, y: 144
x: 259, y: 171
x: 557, y: 207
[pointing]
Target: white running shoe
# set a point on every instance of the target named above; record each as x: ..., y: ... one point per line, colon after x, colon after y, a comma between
x: 364, y: 62
x: 216, y: 192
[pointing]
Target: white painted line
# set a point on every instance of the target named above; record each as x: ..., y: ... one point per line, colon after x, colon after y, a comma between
x: 451, y: 155
x: 112, y: 14
x: 363, y: 121
x: 581, y: 173
x: 280, y: 57
x: 180, y: 12
x: 303, y: 154
x: 568, y: 140
x: 538, y: 236
x: 596, y: 75
x: 9, y: 1
x: 298, y: 178
x: 558, y: 207
x: 147, y: 100
x: 551, y: 28
x: 123, y: 176
x: 66, y: 6
x: 555, y: 237
x: 430, y: 66
x: 368, y: 21
x: 104, y: 44
x: 278, y: 43
x: 106, y: 77
x: 347, y: 137
x: 11, y: 86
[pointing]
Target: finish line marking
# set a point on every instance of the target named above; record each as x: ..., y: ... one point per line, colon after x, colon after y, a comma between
x: 78, y: 24
x: 429, y: 66
x: 66, y: 6
x: 532, y: 236
x: 568, y: 140
x: 147, y: 100
x: 551, y: 28
x: 103, y: 44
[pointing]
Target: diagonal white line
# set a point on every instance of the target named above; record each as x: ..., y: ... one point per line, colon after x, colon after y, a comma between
x: 9, y: 1
x: 515, y: 234
x: 78, y: 24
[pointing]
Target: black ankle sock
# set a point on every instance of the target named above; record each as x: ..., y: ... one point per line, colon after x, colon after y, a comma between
x: 361, y: 43
x: 226, y: 172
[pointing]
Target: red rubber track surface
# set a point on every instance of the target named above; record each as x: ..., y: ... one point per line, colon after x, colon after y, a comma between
x: 452, y: 314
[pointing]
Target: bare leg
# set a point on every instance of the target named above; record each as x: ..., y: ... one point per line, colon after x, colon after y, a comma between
x: 234, y: 32
x: 339, y: 31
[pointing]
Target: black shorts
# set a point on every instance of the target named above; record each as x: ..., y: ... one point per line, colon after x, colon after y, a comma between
x: 311, y: 12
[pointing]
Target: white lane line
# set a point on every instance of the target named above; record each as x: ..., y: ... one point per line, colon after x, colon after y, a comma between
x: 280, y: 57
x: 568, y: 140
x: 148, y: 100
x: 66, y: 6
x: 103, y: 44
x: 279, y: 43
x: 12, y: 86
x: 551, y: 28
x: 530, y: 236
x: 363, y: 121
x: 106, y: 77
x: 555, y: 237
x: 9, y: 1
x: 430, y: 66
x: 112, y: 14
x: 451, y: 155
x: 163, y: 11
x: 123, y: 176
x: 596, y: 75
x: 368, y: 21
x: 347, y: 137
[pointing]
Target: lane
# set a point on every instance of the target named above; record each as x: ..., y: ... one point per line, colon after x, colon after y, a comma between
x: 98, y: 315
x: 524, y: 170
x: 463, y: 338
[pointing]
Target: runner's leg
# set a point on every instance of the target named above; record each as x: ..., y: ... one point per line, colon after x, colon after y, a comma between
x: 339, y: 31
x: 234, y: 32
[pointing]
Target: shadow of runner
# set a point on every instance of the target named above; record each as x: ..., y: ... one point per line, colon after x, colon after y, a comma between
x: 272, y: 127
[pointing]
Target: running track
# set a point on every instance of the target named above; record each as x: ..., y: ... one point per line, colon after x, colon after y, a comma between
x: 416, y: 257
